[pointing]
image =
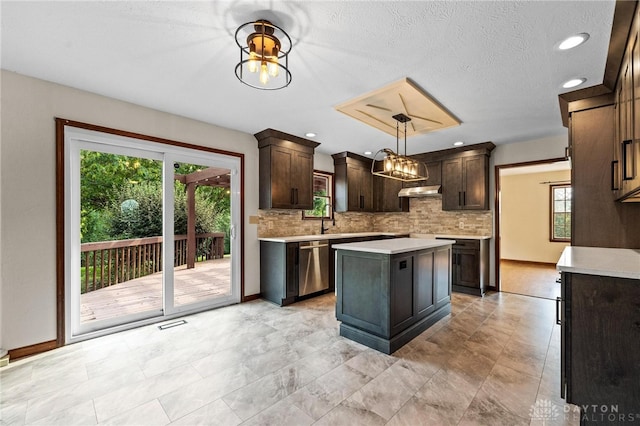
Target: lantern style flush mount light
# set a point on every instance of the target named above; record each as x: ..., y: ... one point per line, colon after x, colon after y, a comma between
x: 264, y: 55
x: 395, y: 165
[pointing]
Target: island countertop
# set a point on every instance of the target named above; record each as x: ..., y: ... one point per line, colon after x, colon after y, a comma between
x: 394, y: 246
x: 608, y: 262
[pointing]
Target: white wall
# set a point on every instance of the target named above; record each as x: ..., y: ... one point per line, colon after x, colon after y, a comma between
x: 27, y: 184
x: 520, y: 152
x: 323, y: 162
x: 525, y: 217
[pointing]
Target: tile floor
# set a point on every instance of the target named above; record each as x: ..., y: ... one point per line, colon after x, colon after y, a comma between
x: 529, y: 279
x: 494, y: 360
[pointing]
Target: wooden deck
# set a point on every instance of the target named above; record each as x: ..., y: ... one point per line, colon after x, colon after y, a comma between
x: 209, y: 279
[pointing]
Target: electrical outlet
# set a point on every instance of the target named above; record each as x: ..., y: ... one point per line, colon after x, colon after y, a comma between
x: 460, y: 225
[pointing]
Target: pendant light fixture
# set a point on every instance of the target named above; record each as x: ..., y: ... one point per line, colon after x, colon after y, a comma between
x: 264, y: 55
x: 398, y: 166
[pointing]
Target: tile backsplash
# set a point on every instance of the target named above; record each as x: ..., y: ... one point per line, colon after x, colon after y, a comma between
x: 425, y: 217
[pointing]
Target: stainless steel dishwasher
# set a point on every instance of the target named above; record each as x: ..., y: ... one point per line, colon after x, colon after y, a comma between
x: 313, y: 267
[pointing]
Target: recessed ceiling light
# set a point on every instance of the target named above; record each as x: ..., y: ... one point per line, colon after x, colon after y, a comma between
x: 310, y: 135
x: 368, y: 153
x: 458, y: 143
x: 573, y: 41
x: 573, y: 83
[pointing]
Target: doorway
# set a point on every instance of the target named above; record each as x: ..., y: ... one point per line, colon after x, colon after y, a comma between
x: 526, y: 251
x: 151, y: 232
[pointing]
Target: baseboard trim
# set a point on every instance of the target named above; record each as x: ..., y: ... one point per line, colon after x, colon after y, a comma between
x: 32, y: 349
x: 528, y: 262
x: 251, y: 297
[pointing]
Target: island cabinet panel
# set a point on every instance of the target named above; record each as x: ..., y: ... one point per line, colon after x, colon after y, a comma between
x: 385, y: 300
x: 362, y: 304
x: 442, y: 278
x: 403, y: 301
x: 425, y: 277
x: 600, y: 344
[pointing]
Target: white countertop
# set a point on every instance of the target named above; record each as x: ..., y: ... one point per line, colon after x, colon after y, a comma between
x: 608, y: 262
x: 394, y: 246
x: 320, y: 237
x: 452, y: 236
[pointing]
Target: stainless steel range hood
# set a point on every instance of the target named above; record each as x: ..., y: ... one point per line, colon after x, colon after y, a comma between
x: 421, y: 191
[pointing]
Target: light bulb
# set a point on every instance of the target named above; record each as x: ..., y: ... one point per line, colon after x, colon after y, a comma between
x: 253, y: 63
x: 264, y: 74
x: 273, y: 68
x: 388, y: 164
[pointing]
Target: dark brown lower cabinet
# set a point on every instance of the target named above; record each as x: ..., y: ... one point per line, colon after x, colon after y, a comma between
x: 470, y: 266
x: 600, y: 347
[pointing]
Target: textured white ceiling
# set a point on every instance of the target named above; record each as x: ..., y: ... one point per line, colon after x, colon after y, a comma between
x: 493, y: 64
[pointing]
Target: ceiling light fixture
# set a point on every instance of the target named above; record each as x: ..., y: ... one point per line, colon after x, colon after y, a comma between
x: 459, y: 143
x: 573, y: 41
x: 264, y: 55
x: 574, y: 83
x: 397, y: 166
x: 368, y: 153
x: 310, y: 135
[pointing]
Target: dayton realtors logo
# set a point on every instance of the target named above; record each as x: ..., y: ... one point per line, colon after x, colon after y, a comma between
x: 547, y: 412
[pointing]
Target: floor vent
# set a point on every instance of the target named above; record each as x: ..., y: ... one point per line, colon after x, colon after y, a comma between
x: 171, y: 324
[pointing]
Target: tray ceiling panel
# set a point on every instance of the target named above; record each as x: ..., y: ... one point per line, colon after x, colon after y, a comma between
x: 377, y: 109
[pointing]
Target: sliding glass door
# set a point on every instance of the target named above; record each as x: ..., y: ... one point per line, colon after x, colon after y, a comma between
x: 150, y: 232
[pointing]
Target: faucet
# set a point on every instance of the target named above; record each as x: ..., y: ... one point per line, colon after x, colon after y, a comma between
x: 322, y: 228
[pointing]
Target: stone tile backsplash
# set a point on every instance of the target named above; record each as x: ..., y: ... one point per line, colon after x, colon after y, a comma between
x: 425, y: 217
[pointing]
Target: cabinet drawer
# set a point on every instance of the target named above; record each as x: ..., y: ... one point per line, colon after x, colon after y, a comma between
x: 467, y: 244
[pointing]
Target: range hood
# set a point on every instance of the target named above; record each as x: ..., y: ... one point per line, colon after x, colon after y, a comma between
x: 421, y: 191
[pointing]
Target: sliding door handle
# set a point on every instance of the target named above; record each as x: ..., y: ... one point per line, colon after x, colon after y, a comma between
x: 292, y: 196
x: 558, y: 304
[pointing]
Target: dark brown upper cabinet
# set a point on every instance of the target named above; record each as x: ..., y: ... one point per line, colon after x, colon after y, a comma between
x: 286, y: 171
x: 625, y: 165
x: 465, y: 176
x: 385, y: 195
x: 354, y: 182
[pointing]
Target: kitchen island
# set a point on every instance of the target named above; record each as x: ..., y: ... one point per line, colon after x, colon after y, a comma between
x: 390, y: 291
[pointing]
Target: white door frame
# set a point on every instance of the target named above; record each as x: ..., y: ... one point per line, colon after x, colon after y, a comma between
x: 77, y: 139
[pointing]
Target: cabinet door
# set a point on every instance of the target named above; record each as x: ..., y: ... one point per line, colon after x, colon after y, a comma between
x: 474, y: 191
x: 452, y: 184
x: 616, y: 173
x: 468, y: 268
x: 385, y: 192
x: 353, y: 188
x: 424, y: 283
x: 402, y: 295
x: 302, y: 180
x: 366, y: 189
x: 435, y: 174
x: 282, y: 194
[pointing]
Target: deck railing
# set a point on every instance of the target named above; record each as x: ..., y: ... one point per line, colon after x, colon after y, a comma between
x: 107, y: 263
